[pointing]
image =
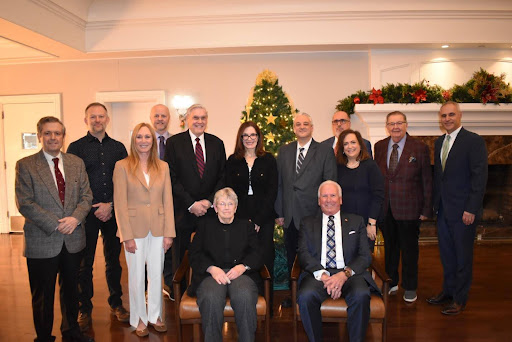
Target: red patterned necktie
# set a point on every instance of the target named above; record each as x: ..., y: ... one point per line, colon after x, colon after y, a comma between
x: 61, y: 184
x: 199, y: 158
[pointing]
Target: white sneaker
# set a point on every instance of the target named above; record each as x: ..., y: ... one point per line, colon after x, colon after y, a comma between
x: 393, y: 290
x: 410, y: 296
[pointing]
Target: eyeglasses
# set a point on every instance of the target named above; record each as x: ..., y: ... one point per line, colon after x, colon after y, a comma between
x: 340, y: 121
x: 251, y: 136
x: 393, y: 124
x: 224, y: 204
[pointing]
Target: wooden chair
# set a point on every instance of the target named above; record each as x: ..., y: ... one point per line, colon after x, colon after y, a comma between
x: 187, y: 310
x: 336, y: 310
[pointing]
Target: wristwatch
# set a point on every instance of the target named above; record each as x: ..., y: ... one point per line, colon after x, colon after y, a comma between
x: 348, y: 271
x: 247, y: 268
x: 372, y: 224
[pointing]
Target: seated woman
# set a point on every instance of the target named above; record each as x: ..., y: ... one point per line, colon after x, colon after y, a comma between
x: 225, y: 258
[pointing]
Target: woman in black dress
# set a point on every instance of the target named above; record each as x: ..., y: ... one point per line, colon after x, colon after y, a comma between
x: 252, y: 174
x: 361, y: 181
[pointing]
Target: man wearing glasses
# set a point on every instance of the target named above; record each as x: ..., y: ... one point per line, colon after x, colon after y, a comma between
x: 405, y: 164
x: 340, y: 123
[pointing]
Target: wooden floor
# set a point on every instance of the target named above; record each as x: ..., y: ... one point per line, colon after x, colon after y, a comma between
x: 488, y: 316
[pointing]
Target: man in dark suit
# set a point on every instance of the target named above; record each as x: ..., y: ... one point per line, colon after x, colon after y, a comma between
x: 340, y: 123
x: 53, y: 194
x: 196, y: 163
x: 302, y: 166
x: 405, y: 162
x: 333, y: 252
x: 460, y: 178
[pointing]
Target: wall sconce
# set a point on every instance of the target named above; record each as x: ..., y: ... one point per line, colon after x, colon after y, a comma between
x: 181, y: 104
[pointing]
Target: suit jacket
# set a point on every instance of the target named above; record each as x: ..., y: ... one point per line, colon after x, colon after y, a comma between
x: 263, y: 183
x: 141, y: 208
x: 409, y: 188
x: 187, y: 185
x: 208, y: 248
x: 461, y: 187
x: 297, y: 194
x: 356, y: 253
x: 368, y: 144
x: 38, y: 201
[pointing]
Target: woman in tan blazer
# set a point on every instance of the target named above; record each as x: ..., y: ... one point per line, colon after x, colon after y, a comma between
x: 145, y: 219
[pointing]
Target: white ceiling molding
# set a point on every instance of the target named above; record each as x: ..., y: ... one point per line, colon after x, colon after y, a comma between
x: 61, y: 12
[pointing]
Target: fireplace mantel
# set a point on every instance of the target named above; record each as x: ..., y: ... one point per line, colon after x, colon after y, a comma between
x: 423, y: 118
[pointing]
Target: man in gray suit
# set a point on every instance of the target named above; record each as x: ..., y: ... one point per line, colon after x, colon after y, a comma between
x: 53, y: 194
x: 302, y: 165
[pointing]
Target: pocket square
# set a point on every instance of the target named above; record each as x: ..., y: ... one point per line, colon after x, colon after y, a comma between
x: 352, y: 232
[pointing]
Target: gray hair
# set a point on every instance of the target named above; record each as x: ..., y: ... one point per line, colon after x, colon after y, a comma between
x: 194, y: 107
x: 226, y: 192
x: 396, y: 112
x: 329, y: 182
x: 450, y: 103
x: 306, y: 115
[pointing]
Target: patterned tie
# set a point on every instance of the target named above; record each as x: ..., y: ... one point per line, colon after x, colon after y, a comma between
x: 300, y: 160
x: 331, y: 245
x: 61, y: 184
x: 393, y: 158
x: 161, y: 146
x: 199, y: 158
x: 446, y: 148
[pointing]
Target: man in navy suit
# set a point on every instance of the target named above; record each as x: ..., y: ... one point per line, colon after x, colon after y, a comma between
x: 340, y: 123
x: 196, y: 163
x: 460, y: 178
x: 333, y: 252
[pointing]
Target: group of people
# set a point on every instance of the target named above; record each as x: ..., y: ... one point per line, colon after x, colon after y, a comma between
x: 329, y: 197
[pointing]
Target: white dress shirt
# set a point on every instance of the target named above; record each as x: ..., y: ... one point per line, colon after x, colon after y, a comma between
x: 453, y: 136
x: 201, y: 141
x: 49, y: 159
x: 305, y: 151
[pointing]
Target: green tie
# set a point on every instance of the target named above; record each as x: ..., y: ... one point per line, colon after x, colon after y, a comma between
x: 446, y: 147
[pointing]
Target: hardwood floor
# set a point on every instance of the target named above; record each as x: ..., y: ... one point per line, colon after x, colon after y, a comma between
x: 488, y: 315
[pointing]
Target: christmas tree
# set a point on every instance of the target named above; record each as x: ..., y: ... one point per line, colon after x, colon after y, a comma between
x: 273, y: 111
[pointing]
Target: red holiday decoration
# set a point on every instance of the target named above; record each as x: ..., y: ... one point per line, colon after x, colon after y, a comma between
x: 357, y: 100
x: 376, y: 96
x: 419, y: 95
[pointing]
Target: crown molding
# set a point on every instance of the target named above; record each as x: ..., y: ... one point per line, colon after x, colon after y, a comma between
x: 61, y: 13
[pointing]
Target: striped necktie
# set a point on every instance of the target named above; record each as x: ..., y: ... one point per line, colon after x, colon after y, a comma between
x: 300, y: 160
x: 199, y: 158
x: 446, y: 148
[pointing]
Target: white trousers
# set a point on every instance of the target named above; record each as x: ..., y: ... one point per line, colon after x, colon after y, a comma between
x: 149, y: 251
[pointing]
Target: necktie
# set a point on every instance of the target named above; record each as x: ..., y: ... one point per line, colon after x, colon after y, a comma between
x: 61, y: 184
x: 199, y: 158
x: 300, y: 160
x: 161, y: 147
x: 331, y: 250
x: 393, y: 158
x: 446, y: 147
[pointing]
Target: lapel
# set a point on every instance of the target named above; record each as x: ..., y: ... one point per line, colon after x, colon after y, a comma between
x: 309, y: 156
x: 43, y: 169
x: 345, y: 229
x: 317, y: 229
x: 69, y: 171
x: 457, y: 146
x: 382, y: 158
x: 290, y: 158
x: 404, y: 157
x: 207, y: 142
x: 140, y: 176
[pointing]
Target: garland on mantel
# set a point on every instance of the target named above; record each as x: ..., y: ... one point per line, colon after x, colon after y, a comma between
x: 483, y: 87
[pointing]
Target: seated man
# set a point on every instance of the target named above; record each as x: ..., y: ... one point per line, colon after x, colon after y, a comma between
x: 333, y: 252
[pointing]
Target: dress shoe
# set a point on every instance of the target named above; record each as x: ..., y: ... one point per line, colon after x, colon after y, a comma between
x: 453, y: 309
x: 393, y: 290
x: 286, y: 303
x: 410, y: 296
x: 159, y: 327
x: 440, y: 299
x: 84, y: 320
x: 121, y: 313
x: 142, y: 333
x: 76, y: 336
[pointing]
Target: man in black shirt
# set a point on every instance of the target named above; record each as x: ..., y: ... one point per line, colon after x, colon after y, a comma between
x: 100, y: 154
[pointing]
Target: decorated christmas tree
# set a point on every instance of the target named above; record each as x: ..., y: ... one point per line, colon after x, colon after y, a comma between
x: 272, y: 110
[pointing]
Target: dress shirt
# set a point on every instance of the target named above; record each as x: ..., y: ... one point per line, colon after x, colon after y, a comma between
x: 453, y: 136
x: 305, y: 151
x: 340, y: 261
x: 146, y: 177
x: 166, y: 136
x: 400, y: 148
x: 201, y: 141
x: 335, y: 142
x: 100, y: 159
x: 49, y: 159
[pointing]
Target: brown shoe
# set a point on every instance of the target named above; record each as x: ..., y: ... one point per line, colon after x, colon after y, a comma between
x: 440, y: 299
x: 159, y: 327
x: 142, y: 333
x: 84, y: 320
x: 453, y: 309
x: 121, y: 313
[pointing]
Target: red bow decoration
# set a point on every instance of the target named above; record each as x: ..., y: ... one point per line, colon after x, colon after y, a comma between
x: 420, y: 95
x: 376, y: 96
x: 447, y: 95
x: 357, y: 100
x: 489, y: 94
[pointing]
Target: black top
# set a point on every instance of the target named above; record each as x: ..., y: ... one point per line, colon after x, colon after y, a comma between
x: 362, y: 189
x: 100, y: 159
x: 263, y: 178
x: 224, y: 246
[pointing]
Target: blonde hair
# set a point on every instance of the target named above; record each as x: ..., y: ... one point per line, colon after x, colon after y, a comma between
x: 133, y: 157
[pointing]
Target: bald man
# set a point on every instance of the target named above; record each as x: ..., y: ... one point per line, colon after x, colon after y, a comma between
x: 340, y: 123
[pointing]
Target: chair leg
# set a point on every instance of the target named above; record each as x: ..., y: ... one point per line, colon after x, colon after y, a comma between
x: 295, y: 329
x: 384, y: 330
x: 196, y: 333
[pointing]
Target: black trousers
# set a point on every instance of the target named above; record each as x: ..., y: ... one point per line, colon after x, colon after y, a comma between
x: 42, y: 274
x: 111, y: 251
x: 291, y: 242
x: 401, y: 236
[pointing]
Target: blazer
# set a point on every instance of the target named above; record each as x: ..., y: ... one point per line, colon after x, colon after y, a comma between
x: 461, y: 186
x: 409, y: 188
x: 330, y: 142
x: 141, y: 208
x: 187, y: 185
x: 37, y: 199
x: 208, y: 248
x: 297, y: 194
x: 356, y: 253
x: 263, y: 182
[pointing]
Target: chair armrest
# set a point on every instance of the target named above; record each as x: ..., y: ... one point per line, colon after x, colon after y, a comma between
x: 182, y: 270
x: 380, y: 272
x: 295, y: 273
x: 264, y: 274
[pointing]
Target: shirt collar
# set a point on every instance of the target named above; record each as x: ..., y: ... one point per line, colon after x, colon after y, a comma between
x: 91, y: 137
x: 306, y: 146
x: 49, y: 157
x: 401, y: 143
x: 453, y: 135
x: 193, y: 137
